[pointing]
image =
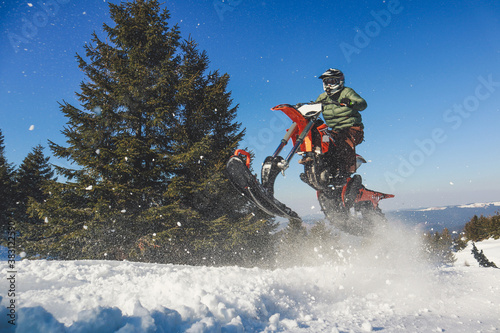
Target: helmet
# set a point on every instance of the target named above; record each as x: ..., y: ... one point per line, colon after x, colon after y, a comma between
x: 333, y: 81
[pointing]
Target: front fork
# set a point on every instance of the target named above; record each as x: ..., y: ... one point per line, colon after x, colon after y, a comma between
x: 275, y: 164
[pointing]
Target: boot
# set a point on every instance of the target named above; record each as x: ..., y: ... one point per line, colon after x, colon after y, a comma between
x: 351, y: 190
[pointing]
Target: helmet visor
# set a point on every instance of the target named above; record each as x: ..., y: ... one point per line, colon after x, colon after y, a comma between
x: 331, y: 80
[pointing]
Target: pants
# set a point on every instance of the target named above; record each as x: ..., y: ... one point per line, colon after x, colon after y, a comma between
x: 346, y: 141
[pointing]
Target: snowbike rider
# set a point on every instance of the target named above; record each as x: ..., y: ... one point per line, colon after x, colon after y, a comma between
x: 330, y: 173
x: 344, y: 120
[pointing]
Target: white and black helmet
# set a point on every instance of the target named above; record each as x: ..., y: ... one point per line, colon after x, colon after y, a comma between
x: 333, y: 81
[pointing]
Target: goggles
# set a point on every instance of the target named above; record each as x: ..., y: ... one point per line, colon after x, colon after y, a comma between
x: 332, y: 80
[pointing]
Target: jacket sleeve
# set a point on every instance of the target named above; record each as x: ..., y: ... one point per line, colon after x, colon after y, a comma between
x: 358, y: 102
x: 321, y: 98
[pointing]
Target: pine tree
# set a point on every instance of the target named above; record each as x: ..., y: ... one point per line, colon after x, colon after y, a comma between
x: 439, y: 247
x: 150, y: 141
x: 472, y: 229
x: 496, y: 225
x: 481, y: 257
x: 31, y: 177
x: 446, y: 246
x: 6, y: 187
x: 480, y: 228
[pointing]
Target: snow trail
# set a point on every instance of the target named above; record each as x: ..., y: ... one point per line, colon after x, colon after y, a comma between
x: 380, y: 284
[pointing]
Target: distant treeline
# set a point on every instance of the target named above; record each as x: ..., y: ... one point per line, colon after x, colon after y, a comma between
x: 440, y: 246
x: 481, y: 228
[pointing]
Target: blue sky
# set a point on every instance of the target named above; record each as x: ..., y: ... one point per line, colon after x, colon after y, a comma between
x: 430, y: 72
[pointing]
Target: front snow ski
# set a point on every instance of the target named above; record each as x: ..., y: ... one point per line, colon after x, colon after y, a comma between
x: 242, y: 178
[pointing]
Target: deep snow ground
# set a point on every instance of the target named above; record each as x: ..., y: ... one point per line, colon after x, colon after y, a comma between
x: 382, y: 286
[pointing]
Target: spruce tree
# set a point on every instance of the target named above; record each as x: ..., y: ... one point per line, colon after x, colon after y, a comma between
x: 438, y: 247
x: 6, y: 187
x: 34, y: 173
x: 481, y: 257
x: 480, y: 228
x: 30, y: 177
x: 149, y: 143
x: 472, y: 229
x: 496, y: 225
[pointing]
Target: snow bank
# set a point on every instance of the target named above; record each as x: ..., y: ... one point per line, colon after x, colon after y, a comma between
x: 378, y: 285
x: 490, y: 247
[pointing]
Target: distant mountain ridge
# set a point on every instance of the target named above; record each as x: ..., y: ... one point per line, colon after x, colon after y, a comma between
x: 431, y: 218
x: 437, y: 218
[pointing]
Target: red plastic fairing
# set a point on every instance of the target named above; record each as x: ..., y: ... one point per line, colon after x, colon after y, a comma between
x: 301, y: 122
x: 365, y: 194
x: 244, y: 153
x: 323, y: 129
x: 372, y: 196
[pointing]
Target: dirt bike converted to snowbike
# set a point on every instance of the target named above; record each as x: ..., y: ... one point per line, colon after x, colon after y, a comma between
x: 345, y: 202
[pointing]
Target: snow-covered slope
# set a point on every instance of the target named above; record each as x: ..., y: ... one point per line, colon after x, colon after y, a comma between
x: 380, y: 285
x: 490, y: 247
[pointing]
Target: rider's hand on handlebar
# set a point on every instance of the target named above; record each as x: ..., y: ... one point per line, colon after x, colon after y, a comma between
x: 346, y: 102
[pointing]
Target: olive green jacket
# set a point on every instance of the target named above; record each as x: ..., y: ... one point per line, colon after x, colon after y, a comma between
x: 340, y: 117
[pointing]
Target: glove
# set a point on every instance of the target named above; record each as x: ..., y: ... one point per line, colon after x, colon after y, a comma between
x: 346, y: 102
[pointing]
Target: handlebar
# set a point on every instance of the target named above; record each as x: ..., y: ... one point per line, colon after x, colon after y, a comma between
x: 332, y: 102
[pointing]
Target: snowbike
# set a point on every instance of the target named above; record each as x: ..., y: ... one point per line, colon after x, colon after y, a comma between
x: 346, y: 203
